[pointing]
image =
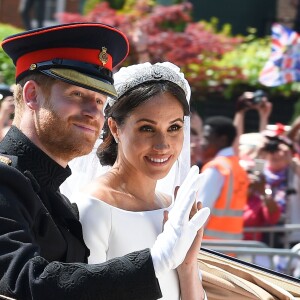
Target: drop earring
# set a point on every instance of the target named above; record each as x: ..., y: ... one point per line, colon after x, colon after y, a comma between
x: 116, y: 140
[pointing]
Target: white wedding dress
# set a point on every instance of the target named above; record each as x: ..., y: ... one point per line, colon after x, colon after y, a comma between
x: 112, y: 232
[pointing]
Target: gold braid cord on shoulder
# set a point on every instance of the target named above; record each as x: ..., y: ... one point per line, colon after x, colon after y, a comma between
x: 5, y: 160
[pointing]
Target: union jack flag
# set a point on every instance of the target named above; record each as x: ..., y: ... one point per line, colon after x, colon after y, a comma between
x: 283, y: 65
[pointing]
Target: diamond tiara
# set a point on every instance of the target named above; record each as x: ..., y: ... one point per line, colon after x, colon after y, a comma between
x: 154, y: 73
x: 132, y: 76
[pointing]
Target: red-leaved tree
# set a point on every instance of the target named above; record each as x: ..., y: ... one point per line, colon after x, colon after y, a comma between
x: 168, y: 33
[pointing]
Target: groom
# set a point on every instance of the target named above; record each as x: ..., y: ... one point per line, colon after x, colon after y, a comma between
x: 63, y: 76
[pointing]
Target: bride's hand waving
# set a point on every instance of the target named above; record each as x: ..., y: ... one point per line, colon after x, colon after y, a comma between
x: 188, y: 271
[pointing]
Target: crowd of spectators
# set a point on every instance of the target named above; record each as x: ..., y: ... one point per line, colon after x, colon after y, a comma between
x: 273, y: 166
x: 271, y: 159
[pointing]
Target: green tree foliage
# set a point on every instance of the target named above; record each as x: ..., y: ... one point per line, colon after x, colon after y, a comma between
x: 115, y: 4
x: 168, y: 33
x: 213, y: 60
x: 7, y: 69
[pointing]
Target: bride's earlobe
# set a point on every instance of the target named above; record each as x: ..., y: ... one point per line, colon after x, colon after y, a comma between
x: 113, y: 128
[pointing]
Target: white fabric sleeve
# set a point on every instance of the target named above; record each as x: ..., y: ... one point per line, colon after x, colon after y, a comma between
x: 210, y: 187
x: 95, y: 217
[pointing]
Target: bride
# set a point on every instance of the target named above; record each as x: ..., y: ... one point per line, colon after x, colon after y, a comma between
x: 123, y: 209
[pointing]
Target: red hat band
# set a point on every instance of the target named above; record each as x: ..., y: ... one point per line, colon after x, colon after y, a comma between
x: 93, y: 56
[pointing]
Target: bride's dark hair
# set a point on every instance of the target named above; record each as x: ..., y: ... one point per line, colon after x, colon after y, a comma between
x: 108, y: 149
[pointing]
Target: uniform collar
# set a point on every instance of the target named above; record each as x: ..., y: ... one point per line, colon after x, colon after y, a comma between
x: 45, y: 170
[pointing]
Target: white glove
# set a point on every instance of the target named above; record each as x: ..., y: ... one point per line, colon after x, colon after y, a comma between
x: 171, y: 246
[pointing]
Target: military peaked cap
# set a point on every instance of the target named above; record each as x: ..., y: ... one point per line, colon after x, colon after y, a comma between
x: 83, y: 54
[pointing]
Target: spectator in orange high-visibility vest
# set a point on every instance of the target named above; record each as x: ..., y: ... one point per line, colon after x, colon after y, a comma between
x: 225, y: 185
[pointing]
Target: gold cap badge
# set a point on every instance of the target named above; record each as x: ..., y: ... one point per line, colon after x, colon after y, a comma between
x: 32, y: 67
x: 103, y: 56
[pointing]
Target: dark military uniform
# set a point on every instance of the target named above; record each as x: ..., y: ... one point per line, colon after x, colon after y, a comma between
x: 42, y: 252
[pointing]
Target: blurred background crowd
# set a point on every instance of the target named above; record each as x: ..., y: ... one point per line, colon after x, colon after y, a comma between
x: 242, y: 64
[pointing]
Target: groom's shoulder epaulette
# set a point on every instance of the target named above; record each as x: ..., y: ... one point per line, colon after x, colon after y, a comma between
x: 8, y: 169
x: 5, y: 160
x: 10, y: 175
x: 8, y: 161
x: 12, y: 179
